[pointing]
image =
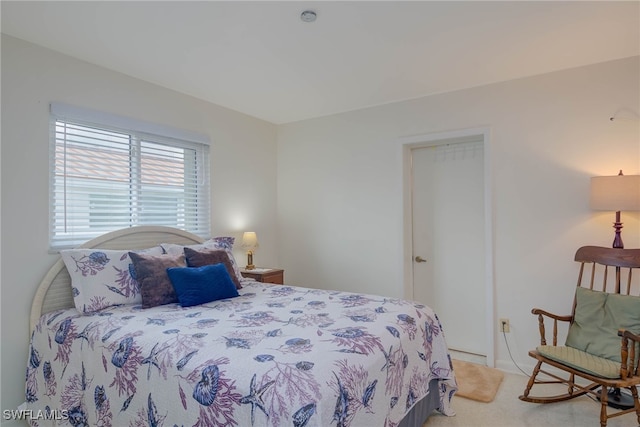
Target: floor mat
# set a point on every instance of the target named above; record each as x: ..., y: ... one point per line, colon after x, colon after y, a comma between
x: 477, y: 382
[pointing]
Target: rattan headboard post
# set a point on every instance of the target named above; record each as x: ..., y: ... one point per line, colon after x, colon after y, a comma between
x: 54, y: 291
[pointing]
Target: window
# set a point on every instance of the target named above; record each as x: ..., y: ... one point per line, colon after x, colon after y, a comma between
x: 110, y: 172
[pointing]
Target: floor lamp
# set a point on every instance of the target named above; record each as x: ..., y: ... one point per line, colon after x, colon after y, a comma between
x: 616, y: 193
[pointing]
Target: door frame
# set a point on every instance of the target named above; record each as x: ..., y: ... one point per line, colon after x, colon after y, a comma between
x: 432, y: 139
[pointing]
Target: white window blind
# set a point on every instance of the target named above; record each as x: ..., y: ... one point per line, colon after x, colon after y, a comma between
x: 109, y: 172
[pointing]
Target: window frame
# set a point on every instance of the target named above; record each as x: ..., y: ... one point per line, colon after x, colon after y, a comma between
x: 141, y: 136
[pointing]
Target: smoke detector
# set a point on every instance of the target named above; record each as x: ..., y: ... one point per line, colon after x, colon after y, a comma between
x: 308, y: 16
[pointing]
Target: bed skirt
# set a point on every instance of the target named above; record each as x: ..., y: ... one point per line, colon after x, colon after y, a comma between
x: 418, y: 415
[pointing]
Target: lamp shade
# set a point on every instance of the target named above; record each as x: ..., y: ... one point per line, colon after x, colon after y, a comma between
x: 615, y: 193
x: 249, y: 240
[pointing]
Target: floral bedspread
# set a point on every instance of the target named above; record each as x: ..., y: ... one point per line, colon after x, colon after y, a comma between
x: 274, y: 356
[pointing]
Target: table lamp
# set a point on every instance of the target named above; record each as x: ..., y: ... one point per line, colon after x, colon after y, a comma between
x: 250, y: 243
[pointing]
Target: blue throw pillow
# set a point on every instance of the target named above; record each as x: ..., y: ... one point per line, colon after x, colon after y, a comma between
x: 200, y: 285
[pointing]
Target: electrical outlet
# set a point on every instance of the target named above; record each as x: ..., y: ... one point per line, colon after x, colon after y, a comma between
x: 504, y: 325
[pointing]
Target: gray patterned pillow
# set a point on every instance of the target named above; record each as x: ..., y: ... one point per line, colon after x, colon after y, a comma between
x: 151, y: 273
x: 202, y: 257
x: 223, y: 242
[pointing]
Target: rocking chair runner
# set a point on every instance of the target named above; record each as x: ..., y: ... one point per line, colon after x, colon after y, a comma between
x: 603, y: 341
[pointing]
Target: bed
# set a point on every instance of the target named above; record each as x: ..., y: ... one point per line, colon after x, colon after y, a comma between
x: 274, y: 355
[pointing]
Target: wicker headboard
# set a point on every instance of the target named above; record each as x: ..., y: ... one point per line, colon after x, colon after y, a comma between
x: 54, y: 292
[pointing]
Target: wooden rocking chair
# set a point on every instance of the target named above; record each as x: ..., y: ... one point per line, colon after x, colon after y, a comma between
x: 603, y: 340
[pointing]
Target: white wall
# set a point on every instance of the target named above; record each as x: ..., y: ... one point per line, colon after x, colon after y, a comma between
x: 340, y: 193
x: 243, y: 172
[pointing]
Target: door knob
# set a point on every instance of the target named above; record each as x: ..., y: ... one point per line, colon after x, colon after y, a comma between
x: 420, y: 259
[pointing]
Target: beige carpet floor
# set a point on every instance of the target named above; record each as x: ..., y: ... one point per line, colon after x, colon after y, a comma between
x: 506, y: 410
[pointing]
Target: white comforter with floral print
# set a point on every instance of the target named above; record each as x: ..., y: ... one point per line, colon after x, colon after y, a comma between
x: 274, y: 356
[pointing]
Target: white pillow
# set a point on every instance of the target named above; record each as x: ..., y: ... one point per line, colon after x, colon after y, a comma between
x: 102, y: 278
x: 225, y: 243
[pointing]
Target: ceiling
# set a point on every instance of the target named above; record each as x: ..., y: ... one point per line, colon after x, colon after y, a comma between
x: 260, y: 59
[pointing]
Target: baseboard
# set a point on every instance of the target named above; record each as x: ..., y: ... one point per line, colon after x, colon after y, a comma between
x: 506, y: 365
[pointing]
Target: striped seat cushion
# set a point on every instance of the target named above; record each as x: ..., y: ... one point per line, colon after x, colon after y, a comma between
x: 582, y: 361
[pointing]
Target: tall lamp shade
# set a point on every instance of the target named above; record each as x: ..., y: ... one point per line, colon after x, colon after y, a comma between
x: 250, y: 243
x: 616, y: 193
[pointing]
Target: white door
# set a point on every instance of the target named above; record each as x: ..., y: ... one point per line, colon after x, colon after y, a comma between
x: 448, y: 232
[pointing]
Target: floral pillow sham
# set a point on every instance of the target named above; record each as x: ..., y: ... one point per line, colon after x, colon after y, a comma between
x: 102, y: 278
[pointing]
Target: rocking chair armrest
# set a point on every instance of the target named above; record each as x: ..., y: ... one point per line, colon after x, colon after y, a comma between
x: 628, y: 354
x: 541, y: 314
x: 629, y: 335
x: 566, y: 318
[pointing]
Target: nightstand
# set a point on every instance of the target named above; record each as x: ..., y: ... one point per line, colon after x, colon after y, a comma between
x: 265, y: 275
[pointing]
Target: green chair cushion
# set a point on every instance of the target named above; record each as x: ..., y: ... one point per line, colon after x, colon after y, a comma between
x: 597, y: 319
x: 582, y: 361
